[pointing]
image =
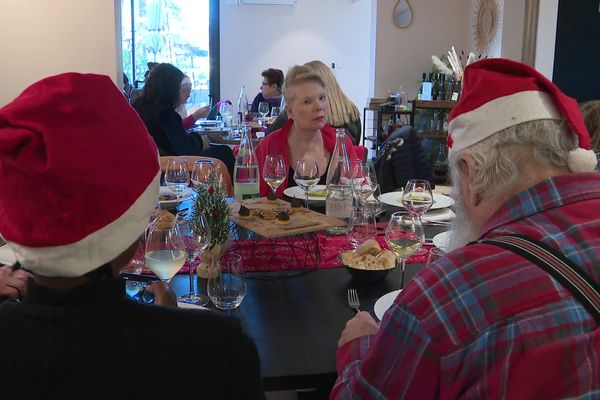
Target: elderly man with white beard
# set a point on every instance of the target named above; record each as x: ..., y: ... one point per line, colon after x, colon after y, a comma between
x: 512, y: 311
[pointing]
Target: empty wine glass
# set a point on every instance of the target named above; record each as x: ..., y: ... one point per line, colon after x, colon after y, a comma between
x: 201, y: 171
x: 363, y: 226
x: 165, y: 250
x: 404, y: 236
x: 196, y: 238
x: 306, y: 175
x: 274, y: 171
x: 263, y: 109
x: 177, y: 177
x: 275, y: 111
x: 227, y: 283
x: 417, y: 198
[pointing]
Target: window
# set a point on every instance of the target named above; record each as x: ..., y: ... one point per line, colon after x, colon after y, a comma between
x: 180, y: 32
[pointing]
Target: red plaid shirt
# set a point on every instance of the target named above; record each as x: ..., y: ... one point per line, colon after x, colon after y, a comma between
x: 486, y: 323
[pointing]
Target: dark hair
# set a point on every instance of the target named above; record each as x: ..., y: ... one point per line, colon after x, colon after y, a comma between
x: 163, y: 85
x: 274, y: 76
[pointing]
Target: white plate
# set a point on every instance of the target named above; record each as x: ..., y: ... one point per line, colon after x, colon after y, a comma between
x: 444, y: 214
x: 395, y: 199
x: 188, y: 305
x: 187, y: 193
x: 384, y: 303
x: 296, y: 191
x: 441, y: 240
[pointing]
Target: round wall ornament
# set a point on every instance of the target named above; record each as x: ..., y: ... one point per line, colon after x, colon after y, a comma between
x: 485, y: 24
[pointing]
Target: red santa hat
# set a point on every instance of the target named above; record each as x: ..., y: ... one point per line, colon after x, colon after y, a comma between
x: 79, y: 174
x: 499, y: 93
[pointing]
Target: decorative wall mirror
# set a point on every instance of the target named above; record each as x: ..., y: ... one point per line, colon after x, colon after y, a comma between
x: 402, y: 14
x: 486, y: 23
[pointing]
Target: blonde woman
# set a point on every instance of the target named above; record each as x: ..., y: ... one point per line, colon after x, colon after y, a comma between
x: 306, y: 134
x: 591, y: 116
x: 341, y: 112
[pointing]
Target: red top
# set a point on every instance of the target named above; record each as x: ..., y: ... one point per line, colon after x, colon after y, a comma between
x: 276, y: 143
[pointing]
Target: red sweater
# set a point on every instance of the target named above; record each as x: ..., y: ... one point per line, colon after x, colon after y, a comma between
x: 277, y: 143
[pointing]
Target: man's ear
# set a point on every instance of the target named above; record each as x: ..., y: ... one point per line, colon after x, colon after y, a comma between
x: 467, y: 167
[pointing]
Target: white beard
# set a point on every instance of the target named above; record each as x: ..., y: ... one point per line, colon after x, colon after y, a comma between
x: 462, y: 229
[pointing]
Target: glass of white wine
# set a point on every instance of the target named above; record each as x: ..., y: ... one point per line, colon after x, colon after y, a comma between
x: 404, y: 236
x: 417, y: 198
x: 274, y: 171
x: 165, y: 250
x: 177, y: 177
x: 306, y: 175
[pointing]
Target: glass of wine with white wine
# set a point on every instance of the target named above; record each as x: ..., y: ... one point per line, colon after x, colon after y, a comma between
x: 165, y: 250
x: 404, y: 236
x: 274, y: 171
x: 306, y: 175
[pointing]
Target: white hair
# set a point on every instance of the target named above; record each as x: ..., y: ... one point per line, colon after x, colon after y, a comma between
x: 499, y: 159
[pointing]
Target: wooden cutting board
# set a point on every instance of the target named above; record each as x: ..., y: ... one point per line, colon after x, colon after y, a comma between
x: 261, y: 209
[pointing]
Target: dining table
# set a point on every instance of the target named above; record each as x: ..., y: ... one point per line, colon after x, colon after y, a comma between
x: 228, y: 136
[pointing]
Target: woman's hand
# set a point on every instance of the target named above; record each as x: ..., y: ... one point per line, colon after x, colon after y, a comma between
x: 202, y: 112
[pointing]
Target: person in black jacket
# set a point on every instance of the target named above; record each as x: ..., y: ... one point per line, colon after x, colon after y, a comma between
x: 88, y: 181
x: 156, y: 106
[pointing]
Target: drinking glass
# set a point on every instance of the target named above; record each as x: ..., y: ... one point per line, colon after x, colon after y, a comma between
x: 364, y: 181
x: 165, y: 250
x: 200, y: 171
x: 363, y: 226
x: 433, y: 254
x: 177, y: 177
x: 263, y: 109
x: 404, y: 236
x: 417, y: 198
x: 275, y: 111
x: 306, y: 175
x: 196, y: 238
x: 274, y: 171
x: 226, y: 111
x: 227, y: 283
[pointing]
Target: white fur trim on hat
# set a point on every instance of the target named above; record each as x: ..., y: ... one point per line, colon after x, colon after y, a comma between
x: 476, y: 125
x: 581, y: 160
x: 96, y: 249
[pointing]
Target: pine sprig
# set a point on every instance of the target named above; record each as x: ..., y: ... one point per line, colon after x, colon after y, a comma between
x: 212, y: 202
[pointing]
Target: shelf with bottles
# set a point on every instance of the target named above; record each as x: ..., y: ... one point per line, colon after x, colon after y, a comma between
x: 385, y: 120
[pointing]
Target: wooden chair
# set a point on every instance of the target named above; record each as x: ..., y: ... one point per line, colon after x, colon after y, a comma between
x: 219, y: 165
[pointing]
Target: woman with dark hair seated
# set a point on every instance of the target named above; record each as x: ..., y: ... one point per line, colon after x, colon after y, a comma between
x: 156, y: 106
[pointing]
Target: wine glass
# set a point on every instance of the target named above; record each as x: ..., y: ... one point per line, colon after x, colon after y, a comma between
x: 200, y: 171
x: 275, y: 111
x: 306, y: 175
x: 364, y: 181
x: 417, y: 198
x: 226, y: 111
x: 227, y: 284
x: 274, y: 171
x: 177, y: 177
x: 363, y: 226
x: 404, y: 236
x: 165, y: 250
x: 263, y: 109
x: 196, y: 238
x: 433, y: 254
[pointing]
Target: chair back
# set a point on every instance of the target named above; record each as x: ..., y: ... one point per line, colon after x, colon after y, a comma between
x: 219, y: 166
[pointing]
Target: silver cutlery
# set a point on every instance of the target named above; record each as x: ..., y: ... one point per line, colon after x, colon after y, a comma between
x: 353, y: 301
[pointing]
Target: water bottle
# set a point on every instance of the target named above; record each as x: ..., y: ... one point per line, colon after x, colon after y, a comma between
x: 242, y: 106
x: 246, y: 178
x: 339, y: 185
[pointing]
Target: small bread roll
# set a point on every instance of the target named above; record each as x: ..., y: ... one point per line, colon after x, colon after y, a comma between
x: 164, y: 220
x: 387, y: 259
x: 348, y: 257
x: 366, y: 261
x: 369, y: 246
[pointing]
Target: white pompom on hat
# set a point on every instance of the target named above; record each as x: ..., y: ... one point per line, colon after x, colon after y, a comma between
x: 79, y: 174
x: 500, y: 93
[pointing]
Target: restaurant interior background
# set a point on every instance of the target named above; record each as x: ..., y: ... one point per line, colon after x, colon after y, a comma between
x: 372, y: 55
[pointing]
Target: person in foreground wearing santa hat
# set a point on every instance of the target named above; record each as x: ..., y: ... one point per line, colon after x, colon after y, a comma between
x: 79, y: 179
x: 486, y: 321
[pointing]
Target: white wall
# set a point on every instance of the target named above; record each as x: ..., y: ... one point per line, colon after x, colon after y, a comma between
x: 512, y: 29
x: 256, y: 37
x: 39, y: 38
x: 402, y: 55
x: 546, y: 37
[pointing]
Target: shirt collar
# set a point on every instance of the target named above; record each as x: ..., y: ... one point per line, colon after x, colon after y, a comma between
x: 99, y: 291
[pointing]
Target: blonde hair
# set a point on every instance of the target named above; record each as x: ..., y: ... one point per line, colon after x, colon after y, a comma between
x: 340, y: 109
x: 296, y: 75
x: 591, y: 115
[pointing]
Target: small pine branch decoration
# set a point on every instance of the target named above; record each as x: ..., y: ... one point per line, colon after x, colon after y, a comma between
x: 212, y: 202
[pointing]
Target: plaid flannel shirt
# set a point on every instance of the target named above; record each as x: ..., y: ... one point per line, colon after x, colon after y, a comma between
x: 483, y: 322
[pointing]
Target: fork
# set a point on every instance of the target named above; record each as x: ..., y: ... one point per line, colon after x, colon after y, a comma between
x: 353, y: 301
